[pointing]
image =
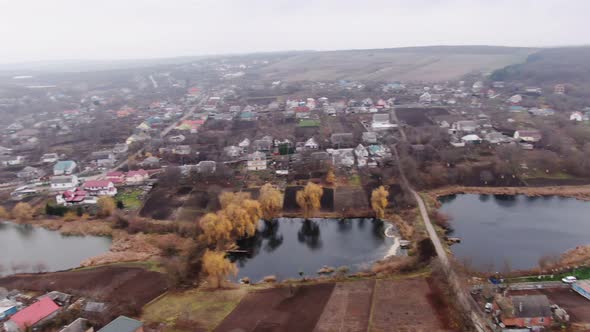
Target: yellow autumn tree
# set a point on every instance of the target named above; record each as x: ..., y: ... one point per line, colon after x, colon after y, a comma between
x: 106, y: 206
x: 331, y: 177
x: 70, y: 216
x: 227, y: 198
x: 217, y: 229
x: 271, y: 201
x: 309, y: 199
x: 379, y: 201
x: 22, y: 212
x: 3, y: 213
x: 217, y: 267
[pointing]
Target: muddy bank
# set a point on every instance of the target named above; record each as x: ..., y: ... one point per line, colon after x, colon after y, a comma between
x: 578, y: 192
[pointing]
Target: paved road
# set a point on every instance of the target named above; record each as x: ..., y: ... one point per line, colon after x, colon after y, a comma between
x: 463, y: 297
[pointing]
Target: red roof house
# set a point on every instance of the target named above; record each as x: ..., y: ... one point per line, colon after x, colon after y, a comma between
x: 116, y: 177
x: 33, y: 314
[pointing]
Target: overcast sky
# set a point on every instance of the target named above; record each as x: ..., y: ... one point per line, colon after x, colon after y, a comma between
x: 32, y: 30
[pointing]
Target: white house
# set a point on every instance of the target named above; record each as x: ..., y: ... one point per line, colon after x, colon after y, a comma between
x: 361, y: 154
x: 49, y: 158
x: 425, y: 98
x: 381, y: 122
x: 100, y: 188
x: 64, y: 182
x: 256, y: 161
x: 244, y: 144
x: 471, y: 138
x: 136, y: 177
x: 576, y: 116
x: 515, y: 99
x: 528, y: 135
x: 311, y: 144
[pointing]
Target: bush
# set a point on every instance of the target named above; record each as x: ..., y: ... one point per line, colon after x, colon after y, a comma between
x: 70, y: 216
x: 55, y: 210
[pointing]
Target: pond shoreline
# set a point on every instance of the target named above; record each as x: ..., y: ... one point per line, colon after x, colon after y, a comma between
x: 581, y: 192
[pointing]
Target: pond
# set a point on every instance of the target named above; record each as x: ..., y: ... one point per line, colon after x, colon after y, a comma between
x: 287, y: 246
x: 503, y: 232
x: 30, y: 249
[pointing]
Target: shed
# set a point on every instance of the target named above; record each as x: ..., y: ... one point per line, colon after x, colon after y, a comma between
x: 123, y: 324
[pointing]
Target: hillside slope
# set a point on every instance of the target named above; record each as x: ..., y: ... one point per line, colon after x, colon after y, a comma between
x: 437, y: 63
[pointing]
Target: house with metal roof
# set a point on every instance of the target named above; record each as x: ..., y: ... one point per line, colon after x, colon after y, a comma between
x: 64, y: 167
x: 123, y: 324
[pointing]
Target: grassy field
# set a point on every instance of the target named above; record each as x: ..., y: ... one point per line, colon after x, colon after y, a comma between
x: 193, y: 309
x: 406, y: 64
x: 130, y: 198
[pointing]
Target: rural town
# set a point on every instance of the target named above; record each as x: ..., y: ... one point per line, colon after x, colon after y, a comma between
x: 435, y: 188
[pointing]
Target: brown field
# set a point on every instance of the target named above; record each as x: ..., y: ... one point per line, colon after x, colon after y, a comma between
x: 365, y: 305
x: 403, y: 64
x: 405, y: 305
x: 419, y: 116
x: 133, y: 286
x: 351, y: 198
x: 277, y: 309
x: 349, y: 308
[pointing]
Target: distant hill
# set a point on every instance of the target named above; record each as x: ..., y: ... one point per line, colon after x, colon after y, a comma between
x: 433, y: 63
x: 550, y: 66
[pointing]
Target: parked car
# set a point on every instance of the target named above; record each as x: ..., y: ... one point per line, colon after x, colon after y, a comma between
x: 488, y: 307
x: 569, y: 279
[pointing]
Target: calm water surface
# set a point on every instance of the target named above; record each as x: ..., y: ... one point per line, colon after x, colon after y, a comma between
x: 501, y: 232
x: 27, y: 247
x: 286, y: 246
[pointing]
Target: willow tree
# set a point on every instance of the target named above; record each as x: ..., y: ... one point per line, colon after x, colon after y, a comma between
x: 227, y: 198
x: 22, y: 212
x: 271, y: 201
x: 217, y: 229
x: 379, y: 201
x: 331, y: 177
x: 217, y: 267
x: 309, y: 198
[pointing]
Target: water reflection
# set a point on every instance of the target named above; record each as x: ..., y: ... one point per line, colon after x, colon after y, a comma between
x: 286, y: 247
x: 309, y: 234
x: 515, y: 232
x: 35, y: 249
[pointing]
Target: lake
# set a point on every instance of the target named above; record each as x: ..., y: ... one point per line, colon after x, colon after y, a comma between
x: 28, y: 249
x: 286, y: 246
x: 504, y: 232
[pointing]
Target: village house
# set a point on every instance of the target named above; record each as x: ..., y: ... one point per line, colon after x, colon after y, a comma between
x: 256, y: 161
x: 100, y: 188
x: 64, y: 167
x: 582, y: 287
x: 150, y: 162
x: 32, y: 316
x: 232, y: 151
x: 8, y: 308
x: 12, y: 160
x: 381, y: 122
x: 342, y: 157
x: 515, y: 99
x: 311, y: 144
x: 531, y: 311
x: 116, y: 177
x: 120, y: 148
x: 49, y: 158
x: 264, y: 144
x: 123, y: 324
x: 342, y: 140
x: 576, y: 116
x: 362, y: 154
x: 206, y: 167
x: 465, y: 126
x: 244, y: 145
x: 30, y: 173
x: 181, y: 150
x: 471, y: 139
x: 528, y: 135
x: 369, y: 137
x: 75, y: 196
x: 425, y: 98
x: 559, y: 89
x: 104, y: 158
x: 63, y: 182
x: 136, y: 177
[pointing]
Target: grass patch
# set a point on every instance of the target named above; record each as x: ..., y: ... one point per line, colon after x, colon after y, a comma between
x: 204, y: 309
x: 306, y: 123
x: 150, y: 265
x: 355, y: 180
x: 580, y: 273
x: 130, y: 198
